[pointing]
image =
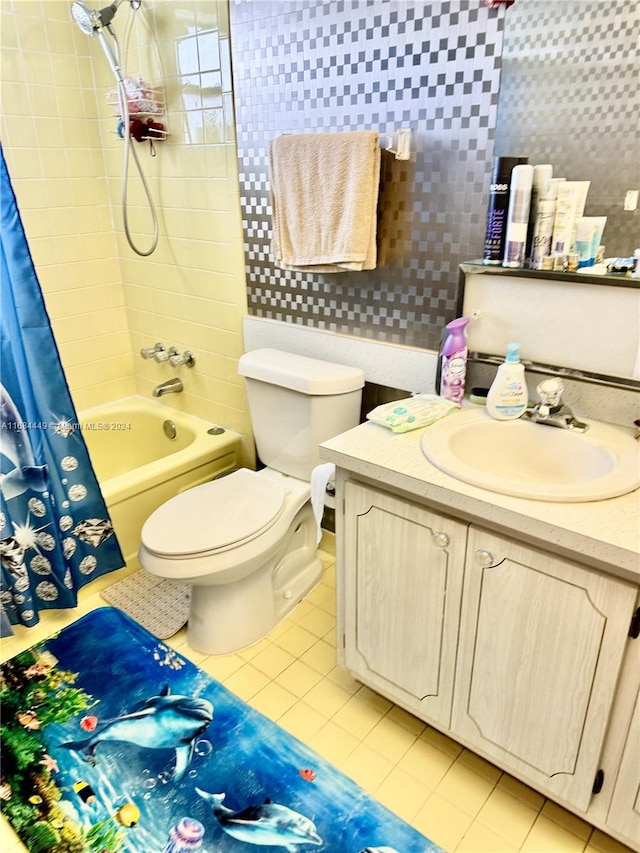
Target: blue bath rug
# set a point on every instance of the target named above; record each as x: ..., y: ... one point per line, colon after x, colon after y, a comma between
x: 113, y: 743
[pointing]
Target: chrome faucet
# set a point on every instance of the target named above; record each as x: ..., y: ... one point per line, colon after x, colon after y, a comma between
x: 550, y: 410
x: 170, y: 386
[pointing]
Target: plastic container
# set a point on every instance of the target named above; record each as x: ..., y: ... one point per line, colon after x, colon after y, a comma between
x: 454, y: 361
x: 508, y: 396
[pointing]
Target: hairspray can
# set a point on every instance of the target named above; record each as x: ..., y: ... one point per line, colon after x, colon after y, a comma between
x: 494, y: 241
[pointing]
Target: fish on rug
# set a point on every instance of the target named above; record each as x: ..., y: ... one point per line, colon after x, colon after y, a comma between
x: 114, y: 743
x: 159, y: 605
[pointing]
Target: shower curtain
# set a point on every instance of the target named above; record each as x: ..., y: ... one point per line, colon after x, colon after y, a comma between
x: 55, y: 532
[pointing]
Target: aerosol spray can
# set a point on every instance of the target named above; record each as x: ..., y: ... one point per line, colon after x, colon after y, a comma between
x: 499, y: 191
x: 518, y: 216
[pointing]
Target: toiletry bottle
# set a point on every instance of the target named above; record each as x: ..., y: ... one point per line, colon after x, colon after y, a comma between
x: 542, y: 177
x: 499, y: 189
x: 518, y: 216
x: 454, y: 361
x: 508, y: 396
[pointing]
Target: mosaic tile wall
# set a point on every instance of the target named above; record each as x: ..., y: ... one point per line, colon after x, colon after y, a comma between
x: 328, y: 65
x: 570, y: 97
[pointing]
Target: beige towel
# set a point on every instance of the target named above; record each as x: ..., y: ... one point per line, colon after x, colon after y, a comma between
x: 324, y: 195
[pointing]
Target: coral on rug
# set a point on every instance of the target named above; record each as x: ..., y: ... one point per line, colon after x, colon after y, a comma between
x: 114, y: 743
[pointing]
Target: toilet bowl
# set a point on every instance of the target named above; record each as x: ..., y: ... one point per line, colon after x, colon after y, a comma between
x: 247, y: 543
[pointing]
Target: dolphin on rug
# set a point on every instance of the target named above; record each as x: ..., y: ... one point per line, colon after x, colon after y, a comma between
x: 268, y: 824
x: 161, y: 722
x: 379, y: 850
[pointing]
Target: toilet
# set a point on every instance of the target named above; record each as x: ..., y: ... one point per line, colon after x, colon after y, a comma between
x: 247, y: 542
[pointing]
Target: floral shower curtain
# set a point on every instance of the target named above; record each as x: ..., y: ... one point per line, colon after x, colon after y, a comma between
x: 55, y: 532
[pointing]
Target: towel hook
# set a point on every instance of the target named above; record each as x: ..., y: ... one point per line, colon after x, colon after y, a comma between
x: 403, y: 143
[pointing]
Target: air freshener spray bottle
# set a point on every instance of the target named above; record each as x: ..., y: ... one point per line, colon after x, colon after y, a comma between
x: 454, y: 361
x: 494, y: 241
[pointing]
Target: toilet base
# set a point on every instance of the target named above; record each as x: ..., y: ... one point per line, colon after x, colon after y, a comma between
x: 226, y: 618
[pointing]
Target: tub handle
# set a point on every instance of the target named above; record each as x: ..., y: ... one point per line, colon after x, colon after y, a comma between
x: 177, y: 359
x: 151, y: 352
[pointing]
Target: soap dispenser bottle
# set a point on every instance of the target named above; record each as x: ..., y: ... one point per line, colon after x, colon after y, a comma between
x: 508, y: 396
x: 454, y: 361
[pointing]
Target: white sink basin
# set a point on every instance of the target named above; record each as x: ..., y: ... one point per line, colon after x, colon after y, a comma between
x: 529, y: 460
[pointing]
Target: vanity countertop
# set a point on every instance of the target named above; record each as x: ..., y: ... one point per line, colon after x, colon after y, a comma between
x: 603, y: 534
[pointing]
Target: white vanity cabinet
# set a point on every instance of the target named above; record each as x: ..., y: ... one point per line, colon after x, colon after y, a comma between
x: 513, y: 651
x: 624, y: 811
x: 402, y: 593
x: 541, y: 645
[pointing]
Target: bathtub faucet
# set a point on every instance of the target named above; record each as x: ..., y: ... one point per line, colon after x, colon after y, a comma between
x: 171, y: 386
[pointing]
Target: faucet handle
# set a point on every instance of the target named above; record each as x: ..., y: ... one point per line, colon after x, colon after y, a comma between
x: 151, y: 352
x: 550, y: 392
x: 177, y: 359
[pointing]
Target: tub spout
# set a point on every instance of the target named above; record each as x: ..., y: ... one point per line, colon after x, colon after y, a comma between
x: 171, y: 386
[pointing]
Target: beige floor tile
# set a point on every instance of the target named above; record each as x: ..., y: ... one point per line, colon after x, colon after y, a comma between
x: 300, y: 612
x: 480, y: 766
x: 246, y: 681
x: 521, y: 791
x: 324, y: 597
x: 333, y: 743
x: 327, y: 698
x: 407, y: 720
x: 481, y: 839
x: 221, y: 667
x: 402, y: 793
x: 546, y: 836
x: 601, y: 843
x: 9, y: 841
x: 442, y: 822
x: 321, y: 657
x: 428, y: 764
x: 366, y: 767
x: 357, y: 717
x: 390, y: 739
x: 442, y: 742
x: 299, y: 678
x: 254, y: 649
x: 508, y: 816
x: 272, y: 660
x: 273, y: 701
x: 464, y: 787
x: 567, y: 820
x: 374, y: 700
x: 344, y: 679
x: 296, y: 640
x: 318, y: 622
x: 302, y: 721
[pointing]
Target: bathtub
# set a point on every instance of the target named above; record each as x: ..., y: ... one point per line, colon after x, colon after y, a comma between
x: 139, y: 466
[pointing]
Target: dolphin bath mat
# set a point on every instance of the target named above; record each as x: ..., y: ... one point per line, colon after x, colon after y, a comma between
x: 113, y: 743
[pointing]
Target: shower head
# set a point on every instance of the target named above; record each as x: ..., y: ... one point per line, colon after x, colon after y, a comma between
x: 91, y: 20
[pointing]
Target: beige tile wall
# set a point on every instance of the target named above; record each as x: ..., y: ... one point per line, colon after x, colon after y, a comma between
x: 65, y: 160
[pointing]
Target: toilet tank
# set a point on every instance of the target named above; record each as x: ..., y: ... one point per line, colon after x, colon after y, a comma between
x: 296, y: 403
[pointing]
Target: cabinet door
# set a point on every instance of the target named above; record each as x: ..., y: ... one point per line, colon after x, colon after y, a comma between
x: 403, y: 583
x: 542, y: 641
x: 624, y: 812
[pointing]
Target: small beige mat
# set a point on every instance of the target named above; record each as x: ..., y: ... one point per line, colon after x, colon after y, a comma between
x: 160, y: 606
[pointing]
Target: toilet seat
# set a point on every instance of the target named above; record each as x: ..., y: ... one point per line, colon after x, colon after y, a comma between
x: 215, y: 516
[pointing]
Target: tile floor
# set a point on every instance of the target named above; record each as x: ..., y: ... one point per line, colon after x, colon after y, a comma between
x: 455, y: 798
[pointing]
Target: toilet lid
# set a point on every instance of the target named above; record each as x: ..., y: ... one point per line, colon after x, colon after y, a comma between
x: 215, y: 515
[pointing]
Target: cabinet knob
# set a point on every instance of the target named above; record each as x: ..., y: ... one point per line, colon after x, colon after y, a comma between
x: 485, y: 558
x: 441, y: 540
